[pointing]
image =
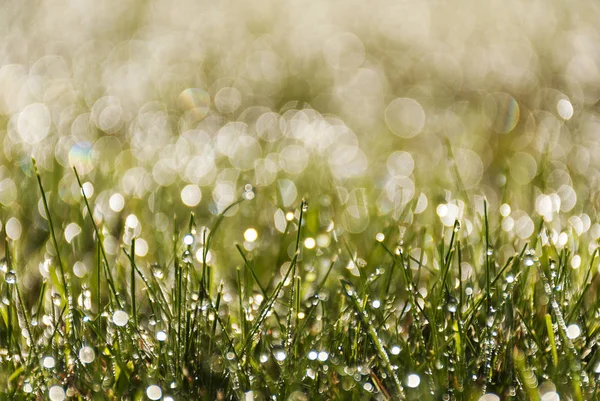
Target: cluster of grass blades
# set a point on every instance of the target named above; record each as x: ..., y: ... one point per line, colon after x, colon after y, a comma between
x: 390, y: 324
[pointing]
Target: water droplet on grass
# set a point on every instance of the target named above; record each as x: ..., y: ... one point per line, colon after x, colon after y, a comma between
x: 323, y: 356
x: 280, y: 355
x: 87, y: 354
x: 56, y: 393
x: 154, y: 392
x: 313, y: 355
x: 188, y: 239
x: 120, y: 318
x: 250, y: 235
x: 161, y: 336
x: 49, y: 362
x: 11, y: 277
x: 573, y: 331
x: 157, y: 271
x: 413, y: 380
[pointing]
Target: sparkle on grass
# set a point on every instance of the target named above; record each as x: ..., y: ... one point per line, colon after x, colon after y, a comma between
x: 154, y: 392
x: 413, y: 380
x: 120, y: 318
x: 309, y: 243
x: 573, y: 331
x: 250, y: 235
x: 56, y: 393
x: 49, y: 362
x: 87, y: 354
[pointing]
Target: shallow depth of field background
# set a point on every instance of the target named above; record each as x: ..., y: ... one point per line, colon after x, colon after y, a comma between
x: 376, y: 112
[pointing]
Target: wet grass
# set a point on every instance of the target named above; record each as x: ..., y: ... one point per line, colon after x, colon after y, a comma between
x: 413, y: 310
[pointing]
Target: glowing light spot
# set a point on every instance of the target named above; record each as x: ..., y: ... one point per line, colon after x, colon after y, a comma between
x: 395, y: 350
x: 13, y: 228
x: 132, y: 221
x: 56, y: 393
x: 309, y: 243
x: 87, y: 188
x: 191, y: 195
x: 87, y: 354
x: 161, y: 336
x: 200, y: 256
x: 413, y: 380
x: 280, y: 356
x: 505, y: 209
x: 154, y: 392
x: 250, y: 235
x: 573, y: 331
x: 379, y: 237
x: 49, y: 362
x: 71, y: 231
x: 116, y: 202
x: 34, y: 123
x: 120, y: 318
x: 188, y: 239
x: 565, y: 109
x: 141, y: 247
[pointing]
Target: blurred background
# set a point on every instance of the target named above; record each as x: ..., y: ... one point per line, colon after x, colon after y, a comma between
x: 381, y: 114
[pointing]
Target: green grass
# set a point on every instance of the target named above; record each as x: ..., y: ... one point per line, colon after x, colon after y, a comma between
x: 401, y: 311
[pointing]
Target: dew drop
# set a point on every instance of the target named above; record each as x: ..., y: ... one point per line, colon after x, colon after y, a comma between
x: 120, y: 318
x: 56, y: 393
x: 395, y: 350
x: 528, y: 261
x: 157, y: 271
x: 323, y: 356
x: 573, y: 331
x: 250, y: 235
x: 154, y: 392
x: 11, y: 277
x: 313, y: 355
x: 49, y: 362
x: 413, y: 380
x: 280, y: 355
x: 87, y: 354
x: 161, y: 336
x: 188, y: 239
x: 379, y: 237
x: 304, y: 206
